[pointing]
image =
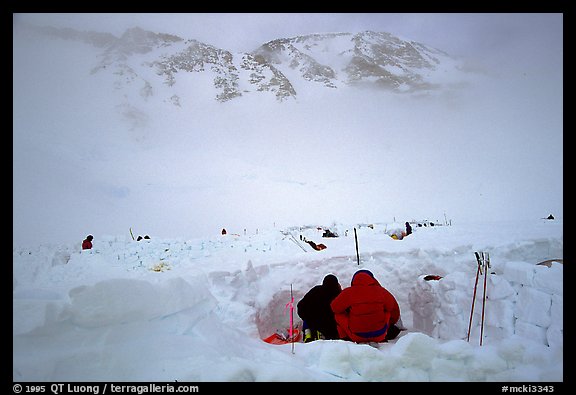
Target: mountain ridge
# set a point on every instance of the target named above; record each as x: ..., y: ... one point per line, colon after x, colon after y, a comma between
x: 281, y: 67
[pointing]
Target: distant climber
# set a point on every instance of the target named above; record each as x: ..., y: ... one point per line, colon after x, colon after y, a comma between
x: 87, y: 242
x: 329, y: 233
x: 223, y: 231
x: 317, y: 247
x: 408, y: 229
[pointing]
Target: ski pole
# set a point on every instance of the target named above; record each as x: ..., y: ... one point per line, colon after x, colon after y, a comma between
x: 486, y: 263
x: 291, y: 330
x: 478, y: 271
x: 356, y: 240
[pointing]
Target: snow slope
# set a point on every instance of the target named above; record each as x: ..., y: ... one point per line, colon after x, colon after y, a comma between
x: 196, y: 309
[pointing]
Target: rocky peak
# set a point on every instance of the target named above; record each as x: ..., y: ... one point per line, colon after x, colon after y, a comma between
x: 331, y: 60
x: 376, y: 58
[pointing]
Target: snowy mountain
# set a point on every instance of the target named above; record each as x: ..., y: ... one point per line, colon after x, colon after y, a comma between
x: 377, y: 59
x: 180, y: 137
x: 145, y: 61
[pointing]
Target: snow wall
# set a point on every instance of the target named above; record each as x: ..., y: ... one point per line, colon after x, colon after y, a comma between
x: 522, y: 299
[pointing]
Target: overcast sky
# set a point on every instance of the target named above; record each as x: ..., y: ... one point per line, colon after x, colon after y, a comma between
x: 459, y: 34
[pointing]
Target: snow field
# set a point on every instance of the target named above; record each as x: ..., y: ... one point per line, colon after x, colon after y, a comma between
x: 196, y: 310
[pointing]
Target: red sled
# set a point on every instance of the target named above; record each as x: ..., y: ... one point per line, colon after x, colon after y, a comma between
x: 279, y: 338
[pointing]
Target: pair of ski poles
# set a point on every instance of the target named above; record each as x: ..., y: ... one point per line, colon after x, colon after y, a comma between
x: 483, y: 261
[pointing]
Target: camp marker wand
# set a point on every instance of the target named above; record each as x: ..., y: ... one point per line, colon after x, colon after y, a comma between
x: 290, y: 305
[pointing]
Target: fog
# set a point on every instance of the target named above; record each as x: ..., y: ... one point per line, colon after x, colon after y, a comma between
x: 83, y: 162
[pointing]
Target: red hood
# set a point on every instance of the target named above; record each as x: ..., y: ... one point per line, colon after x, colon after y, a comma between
x: 363, y: 278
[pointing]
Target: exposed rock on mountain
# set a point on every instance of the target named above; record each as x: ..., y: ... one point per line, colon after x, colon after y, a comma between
x: 380, y: 59
x: 230, y: 72
x: 140, y: 62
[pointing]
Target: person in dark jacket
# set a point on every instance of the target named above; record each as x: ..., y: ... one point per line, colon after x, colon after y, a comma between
x: 314, y: 309
x: 366, y: 311
x: 87, y: 243
x: 408, y: 229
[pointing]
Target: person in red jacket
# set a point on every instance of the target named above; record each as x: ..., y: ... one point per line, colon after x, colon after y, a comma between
x: 87, y: 243
x: 366, y: 311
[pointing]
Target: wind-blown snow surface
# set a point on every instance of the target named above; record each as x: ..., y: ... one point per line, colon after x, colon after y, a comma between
x: 196, y: 310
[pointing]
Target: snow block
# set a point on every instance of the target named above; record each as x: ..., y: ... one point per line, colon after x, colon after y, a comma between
x: 519, y: 272
x: 533, y: 306
x: 453, y: 281
x: 531, y: 331
x: 492, y: 333
x: 453, y: 302
x: 499, y: 287
x: 499, y: 313
x: 424, y: 323
x: 119, y: 301
x: 424, y: 303
x: 549, y: 279
x: 452, y: 327
x: 557, y: 309
x: 555, y: 335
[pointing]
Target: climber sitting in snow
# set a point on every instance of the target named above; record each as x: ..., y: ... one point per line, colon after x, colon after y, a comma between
x: 314, y: 309
x: 317, y: 247
x: 329, y: 233
x: 87, y: 242
x: 398, y: 232
x: 366, y: 311
x: 408, y: 229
